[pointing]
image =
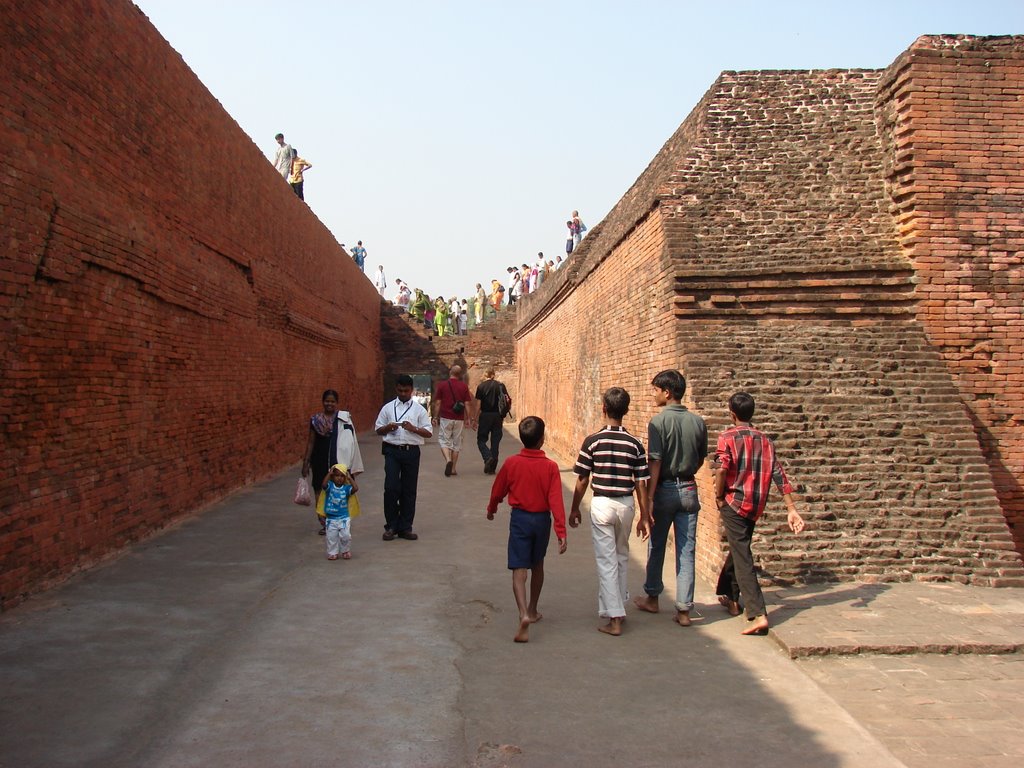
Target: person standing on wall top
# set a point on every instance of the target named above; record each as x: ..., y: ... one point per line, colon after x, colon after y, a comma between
x: 747, y: 467
x: 283, y: 157
x: 452, y: 404
x: 380, y: 281
x: 515, y: 285
x: 677, y: 443
x: 299, y: 165
x: 479, y: 303
x: 404, y: 425
x: 578, y: 229
x: 359, y: 256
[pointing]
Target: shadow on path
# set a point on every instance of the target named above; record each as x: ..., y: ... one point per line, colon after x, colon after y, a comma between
x: 232, y: 641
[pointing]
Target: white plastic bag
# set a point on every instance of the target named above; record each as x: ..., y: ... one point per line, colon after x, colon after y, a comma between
x: 303, y: 493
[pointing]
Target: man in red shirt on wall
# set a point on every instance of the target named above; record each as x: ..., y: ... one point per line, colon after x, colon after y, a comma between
x: 534, y: 488
x: 747, y: 467
x: 452, y: 404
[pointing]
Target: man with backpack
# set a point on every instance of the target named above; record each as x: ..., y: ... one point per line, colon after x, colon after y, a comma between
x: 494, y: 406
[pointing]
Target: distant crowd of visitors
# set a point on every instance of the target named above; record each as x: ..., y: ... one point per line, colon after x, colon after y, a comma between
x: 454, y: 316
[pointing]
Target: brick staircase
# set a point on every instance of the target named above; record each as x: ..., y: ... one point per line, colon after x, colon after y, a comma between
x: 411, y: 348
x: 878, y: 445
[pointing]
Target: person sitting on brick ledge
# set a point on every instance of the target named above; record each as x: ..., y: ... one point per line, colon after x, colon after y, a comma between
x: 747, y: 467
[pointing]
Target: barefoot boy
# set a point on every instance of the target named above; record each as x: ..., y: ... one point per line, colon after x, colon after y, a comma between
x: 617, y: 463
x: 534, y: 489
x: 747, y: 469
x: 677, y: 442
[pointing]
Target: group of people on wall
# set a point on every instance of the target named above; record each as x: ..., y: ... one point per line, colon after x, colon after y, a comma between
x: 654, y: 487
x: 454, y: 316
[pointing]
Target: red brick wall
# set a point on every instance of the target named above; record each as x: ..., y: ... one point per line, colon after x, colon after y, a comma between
x: 759, y: 251
x: 613, y: 327
x: 170, y: 311
x: 954, y: 110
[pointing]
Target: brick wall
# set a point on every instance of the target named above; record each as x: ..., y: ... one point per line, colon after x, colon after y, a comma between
x: 612, y: 327
x: 759, y: 250
x: 952, y: 108
x: 170, y: 311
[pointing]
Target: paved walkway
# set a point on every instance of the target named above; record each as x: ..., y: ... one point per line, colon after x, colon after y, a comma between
x: 232, y: 641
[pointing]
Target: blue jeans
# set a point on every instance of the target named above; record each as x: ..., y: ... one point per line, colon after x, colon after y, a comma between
x: 676, y: 504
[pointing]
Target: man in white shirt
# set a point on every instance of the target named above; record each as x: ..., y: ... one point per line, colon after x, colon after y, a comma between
x: 515, y: 289
x: 380, y: 281
x: 404, y: 424
x: 283, y: 158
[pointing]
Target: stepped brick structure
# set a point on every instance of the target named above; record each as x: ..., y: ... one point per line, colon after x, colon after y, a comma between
x: 411, y: 349
x: 166, y: 320
x: 846, y: 246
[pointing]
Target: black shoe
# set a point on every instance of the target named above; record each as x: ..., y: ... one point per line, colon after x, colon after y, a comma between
x: 407, y: 535
x: 492, y: 465
x: 448, y: 469
x: 389, y: 535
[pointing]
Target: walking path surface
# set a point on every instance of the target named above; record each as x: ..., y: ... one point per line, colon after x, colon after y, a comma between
x: 230, y: 640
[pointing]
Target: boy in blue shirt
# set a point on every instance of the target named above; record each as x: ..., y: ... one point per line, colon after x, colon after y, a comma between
x: 339, y: 485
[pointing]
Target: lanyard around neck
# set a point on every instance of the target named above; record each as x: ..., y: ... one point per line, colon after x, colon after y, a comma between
x: 399, y: 419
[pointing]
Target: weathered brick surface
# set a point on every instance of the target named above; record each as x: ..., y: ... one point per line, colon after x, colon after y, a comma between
x: 761, y: 250
x: 409, y: 348
x: 952, y: 109
x: 170, y: 311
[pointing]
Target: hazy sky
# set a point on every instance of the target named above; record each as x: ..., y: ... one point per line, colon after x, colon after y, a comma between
x: 455, y: 138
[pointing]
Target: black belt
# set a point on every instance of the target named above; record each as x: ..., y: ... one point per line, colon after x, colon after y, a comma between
x: 677, y: 479
x: 405, y: 447
x: 613, y: 495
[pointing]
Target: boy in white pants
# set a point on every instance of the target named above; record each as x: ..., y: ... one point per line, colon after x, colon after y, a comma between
x: 339, y: 486
x: 617, y: 464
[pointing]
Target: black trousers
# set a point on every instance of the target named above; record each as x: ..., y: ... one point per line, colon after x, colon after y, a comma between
x: 738, y: 576
x: 401, y: 476
x: 489, y: 428
x: 297, y: 188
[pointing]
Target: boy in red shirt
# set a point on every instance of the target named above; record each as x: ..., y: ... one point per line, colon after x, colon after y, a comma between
x: 534, y: 488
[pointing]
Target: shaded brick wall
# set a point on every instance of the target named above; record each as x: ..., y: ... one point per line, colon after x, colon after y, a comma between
x: 600, y: 323
x: 170, y: 310
x: 952, y: 108
x: 779, y: 271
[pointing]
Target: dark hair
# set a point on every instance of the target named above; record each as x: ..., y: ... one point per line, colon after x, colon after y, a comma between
x: 742, y: 404
x: 279, y: 136
x: 531, y: 431
x: 673, y: 381
x: 616, y: 402
x: 329, y: 392
x: 403, y: 380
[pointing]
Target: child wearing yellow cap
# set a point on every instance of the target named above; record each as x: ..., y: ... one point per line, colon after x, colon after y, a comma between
x: 339, y: 486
